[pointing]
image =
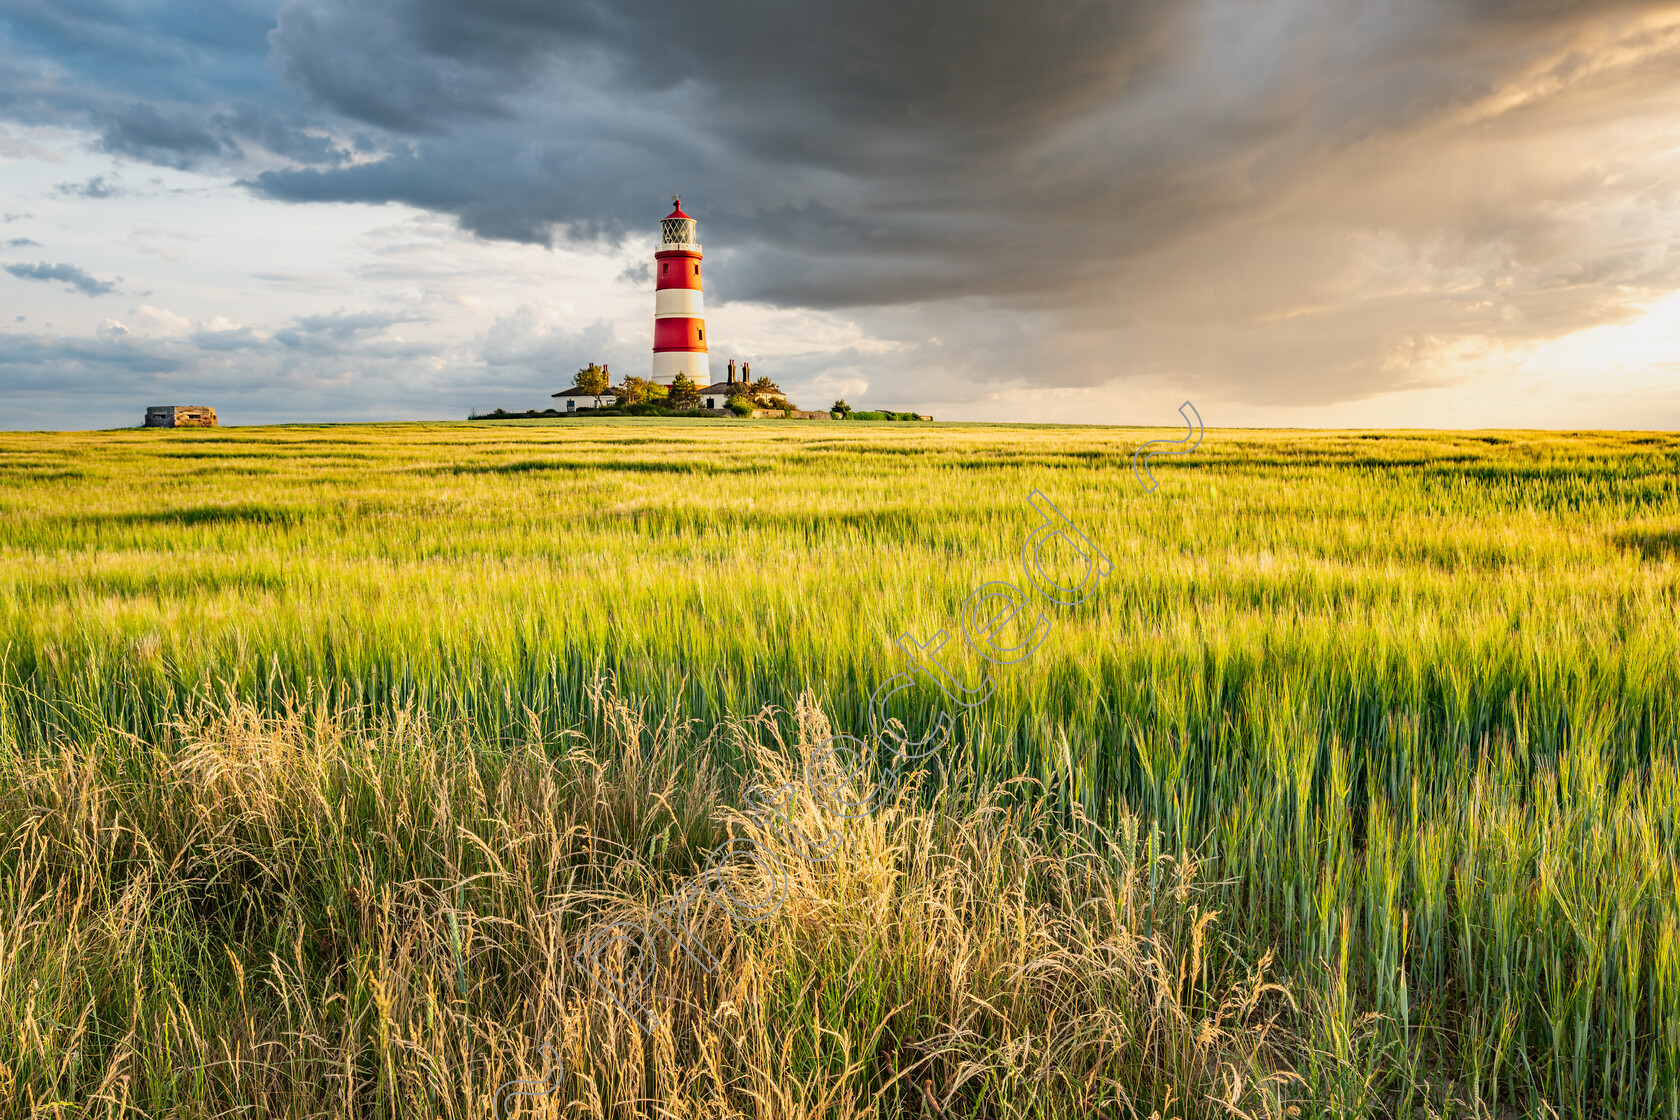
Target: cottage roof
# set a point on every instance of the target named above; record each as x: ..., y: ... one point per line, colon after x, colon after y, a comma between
x: 574, y: 391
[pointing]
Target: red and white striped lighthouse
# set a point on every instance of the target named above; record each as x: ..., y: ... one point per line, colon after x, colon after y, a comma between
x: 679, y: 312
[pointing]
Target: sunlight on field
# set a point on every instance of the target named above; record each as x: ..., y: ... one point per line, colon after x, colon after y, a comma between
x: 1408, y: 698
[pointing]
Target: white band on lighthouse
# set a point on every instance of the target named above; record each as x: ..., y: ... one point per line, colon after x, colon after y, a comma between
x: 668, y: 363
x: 687, y: 302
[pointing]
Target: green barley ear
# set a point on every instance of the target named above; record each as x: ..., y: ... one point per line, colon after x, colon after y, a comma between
x: 455, y: 950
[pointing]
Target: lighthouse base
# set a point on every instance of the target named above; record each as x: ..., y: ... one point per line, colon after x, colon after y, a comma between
x: 668, y: 363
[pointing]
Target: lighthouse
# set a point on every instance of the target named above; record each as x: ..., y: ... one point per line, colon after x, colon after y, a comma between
x: 679, y: 313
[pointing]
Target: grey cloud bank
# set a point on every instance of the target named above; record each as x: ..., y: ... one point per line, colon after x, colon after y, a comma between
x: 95, y: 187
x: 67, y: 273
x: 1294, y: 202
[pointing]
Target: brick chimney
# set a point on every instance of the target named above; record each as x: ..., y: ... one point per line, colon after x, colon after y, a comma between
x: 732, y: 371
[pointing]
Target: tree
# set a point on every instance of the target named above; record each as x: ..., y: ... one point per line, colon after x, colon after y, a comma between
x: 593, y: 380
x: 635, y: 390
x: 840, y: 406
x: 765, y: 393
x: 683, y: 392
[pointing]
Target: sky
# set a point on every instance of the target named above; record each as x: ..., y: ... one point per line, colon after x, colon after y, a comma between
x: 1303, y: 213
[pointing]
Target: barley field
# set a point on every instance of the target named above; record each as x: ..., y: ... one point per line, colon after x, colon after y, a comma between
x: 1353, y: 789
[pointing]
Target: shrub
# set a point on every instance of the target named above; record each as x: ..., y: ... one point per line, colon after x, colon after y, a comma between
x: 645, y: 409
x: 740, y: 406
x: 884, y: 416
x: 528, y: 414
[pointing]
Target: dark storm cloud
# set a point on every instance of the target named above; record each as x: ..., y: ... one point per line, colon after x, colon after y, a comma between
x: 877, y: 72
x: 182, y: 86
x: 145, y: 50
x: 285, y: 134
x: 628, y: 91
x: 68, y: 273
x: 145, y: 132
x: 873, y: 151
x: 420, y: 82
x: 188, y: 138
x: 516, y: 204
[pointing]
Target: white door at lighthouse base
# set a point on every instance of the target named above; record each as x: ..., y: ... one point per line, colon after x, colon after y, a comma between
x: 667, y: 363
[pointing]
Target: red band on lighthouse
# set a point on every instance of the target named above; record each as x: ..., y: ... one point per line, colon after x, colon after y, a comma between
x: 676, y: 270
x: 680, y: 334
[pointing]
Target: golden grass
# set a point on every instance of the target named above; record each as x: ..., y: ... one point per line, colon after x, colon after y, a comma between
x: 405, y: 911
